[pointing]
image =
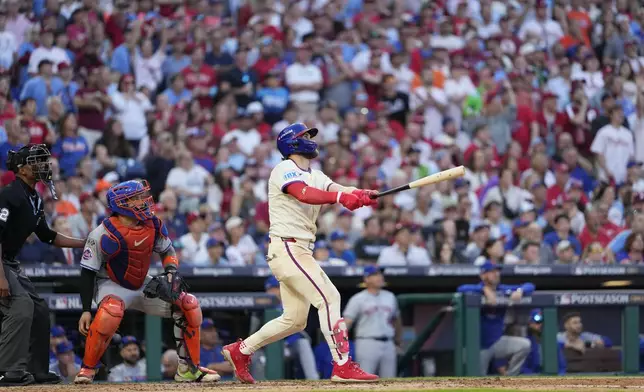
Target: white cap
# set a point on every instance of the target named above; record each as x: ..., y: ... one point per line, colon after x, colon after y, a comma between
x: 254, y: 107
x: 233, y: 222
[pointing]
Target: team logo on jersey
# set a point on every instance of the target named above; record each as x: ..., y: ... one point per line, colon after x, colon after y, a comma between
x: 87, y: 254
x: 291, y: 175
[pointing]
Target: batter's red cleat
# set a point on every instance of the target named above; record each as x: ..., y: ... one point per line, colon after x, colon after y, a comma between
x: 239, y: 361
x: 351, y: 372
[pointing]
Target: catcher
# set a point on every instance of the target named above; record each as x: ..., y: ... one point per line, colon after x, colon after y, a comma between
x: 114, y: 272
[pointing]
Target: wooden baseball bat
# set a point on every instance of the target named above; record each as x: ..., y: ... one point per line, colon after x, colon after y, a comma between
x: 449, y: 174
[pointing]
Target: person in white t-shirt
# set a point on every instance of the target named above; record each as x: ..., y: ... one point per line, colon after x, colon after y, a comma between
x: 362, y: 59
x: 8, y: 44
x: 188, y: 180
x: 241, y: 249
x: 544, y: 32
x: 245, y: 135
x: 304, y: 80
x: 47, y: 51
x: 614, y: 147
x: 147, y: 64
x: 194, y: 249
x: 457, y: 88
x: 403, y: 252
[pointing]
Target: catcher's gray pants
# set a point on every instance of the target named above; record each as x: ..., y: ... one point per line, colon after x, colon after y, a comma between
x: 377, y: 357
x: 513, y: 348
x: 24, y: 330
x: 133, y: 299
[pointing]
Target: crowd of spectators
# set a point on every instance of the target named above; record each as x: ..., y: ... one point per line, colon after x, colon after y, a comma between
x: 541, y: 100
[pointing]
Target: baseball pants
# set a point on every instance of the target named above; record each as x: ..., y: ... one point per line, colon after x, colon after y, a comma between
x: 513, y: 348
x: 377, y: 357
x: 24, y: 334
x: 302, y: 283
x: 134, y: 299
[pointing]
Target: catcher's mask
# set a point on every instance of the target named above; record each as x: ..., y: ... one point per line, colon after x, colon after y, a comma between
x: 38, y: 158
x: 132, y: 199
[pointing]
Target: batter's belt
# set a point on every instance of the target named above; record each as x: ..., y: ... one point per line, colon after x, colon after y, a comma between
x: 305, y: 243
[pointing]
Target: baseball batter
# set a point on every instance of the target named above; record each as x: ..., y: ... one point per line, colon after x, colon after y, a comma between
x: 295, y: 196
x: 115, y: 266
x: 373, y: 313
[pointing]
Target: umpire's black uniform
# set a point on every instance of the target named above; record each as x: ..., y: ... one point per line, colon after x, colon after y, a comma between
x: 24, y: 334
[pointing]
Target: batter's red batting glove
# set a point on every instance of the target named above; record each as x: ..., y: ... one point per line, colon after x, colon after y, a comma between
x: 364, y: 196
x: 349, y: 201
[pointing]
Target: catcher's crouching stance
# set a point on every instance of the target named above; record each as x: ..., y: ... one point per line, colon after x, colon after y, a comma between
x: 115, y: 267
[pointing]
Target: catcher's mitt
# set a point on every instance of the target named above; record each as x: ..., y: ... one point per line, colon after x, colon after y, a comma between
x: 167, y: 286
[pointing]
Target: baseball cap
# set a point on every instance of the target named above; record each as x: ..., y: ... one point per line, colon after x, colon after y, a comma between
x: 64, y: 347
x: 371, y: 270
x: 233, y: 222
x: 345, y: 212
x: 563, y: 245
x: 207, y: 323
x: 338, y: 235
x: 489, y: 266
x: 461, y: 182
x: 212, y: 242
x: 271, y: 282
x: 255, y: 107
x: 536, y: 316
x: 57, y: 331
x: 320, y: 244
x: 191, y: 218
x: 480, y: 225
x: 84, y: 197
x: 633, y: 164
x: 127, y: 340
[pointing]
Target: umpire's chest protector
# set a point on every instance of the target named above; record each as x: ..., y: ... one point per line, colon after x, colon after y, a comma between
x: 128, y: 250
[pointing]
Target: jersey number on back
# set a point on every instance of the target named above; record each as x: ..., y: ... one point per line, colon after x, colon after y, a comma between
x: 4, y: 214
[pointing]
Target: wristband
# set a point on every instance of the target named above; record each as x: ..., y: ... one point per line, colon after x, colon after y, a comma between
x: 170, y: 262
x: 337, y: 199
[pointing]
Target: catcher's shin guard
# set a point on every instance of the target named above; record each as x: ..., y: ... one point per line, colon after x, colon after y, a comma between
x: 187, y: 327
x: 106, y: 322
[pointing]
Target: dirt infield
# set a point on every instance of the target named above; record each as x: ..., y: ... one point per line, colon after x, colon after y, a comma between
x: 408, y: 384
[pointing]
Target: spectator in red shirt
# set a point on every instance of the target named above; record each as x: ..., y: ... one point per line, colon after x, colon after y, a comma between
x: 92, y: 101
x: 592, y: 230
x: 200, y: 78
x: 556, y: 191
x: 37, y: 129
x: 267, y: 60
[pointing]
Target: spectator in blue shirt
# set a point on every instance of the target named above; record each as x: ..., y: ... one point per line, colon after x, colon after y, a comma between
x: 273, y: 96
x: 562, y: 232
x: 43, y: 86
x: 211, y: 355
x: 122, y: 57
x: 16, y: 138
x: 70, y: 87
x: 534, y: 362
x: 177, y: 92
x: 178, y: 60
x: 339, y: 248
x: 70, y: 148
x: 495, y: 345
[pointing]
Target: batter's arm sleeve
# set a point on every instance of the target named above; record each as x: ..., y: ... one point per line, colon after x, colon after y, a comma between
x: 310, y: 195
x: 86, y: 288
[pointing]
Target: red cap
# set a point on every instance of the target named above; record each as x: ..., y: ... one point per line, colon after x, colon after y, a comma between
x: 191, y: 217
x: 562, y: 168
x: 553, y: 203
x: 548, y: 95
x: 159, y: 207
x: 62, y: 66
x: 84, y: 197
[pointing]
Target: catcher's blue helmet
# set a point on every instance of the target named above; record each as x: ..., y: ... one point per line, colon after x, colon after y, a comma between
x: 132, y: 199
x: 290, y: 141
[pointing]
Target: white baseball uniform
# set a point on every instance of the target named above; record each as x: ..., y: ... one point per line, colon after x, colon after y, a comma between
x: 95, y: 259
x: 290, y: 256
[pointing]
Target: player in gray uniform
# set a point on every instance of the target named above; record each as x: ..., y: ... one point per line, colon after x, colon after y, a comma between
x: 374, y: 314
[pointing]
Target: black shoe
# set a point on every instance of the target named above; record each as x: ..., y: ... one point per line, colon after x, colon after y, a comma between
x: 16, y: 378
x: 47, y: 378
